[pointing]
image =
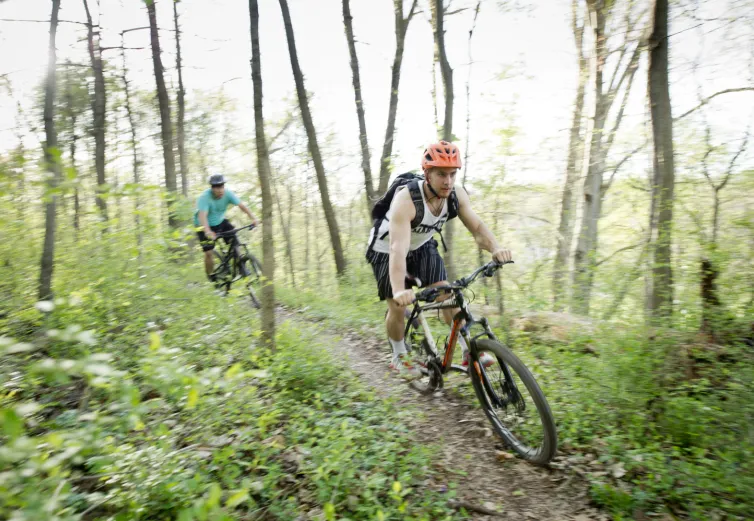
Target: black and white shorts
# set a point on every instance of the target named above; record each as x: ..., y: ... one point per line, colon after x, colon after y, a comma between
x: 423, y: 263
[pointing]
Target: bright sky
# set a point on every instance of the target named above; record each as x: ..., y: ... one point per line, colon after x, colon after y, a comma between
x: 216, y: 50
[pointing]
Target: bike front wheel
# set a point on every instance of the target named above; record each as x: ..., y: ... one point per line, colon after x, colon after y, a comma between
x: 513, y: 402
x: 251, y: 269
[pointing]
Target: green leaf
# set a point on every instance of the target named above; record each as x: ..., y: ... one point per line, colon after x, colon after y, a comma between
x: 215, y: 493
x: 232, y: 371
x: 237, y: 498
x: 154, y: 340
x: 329, y: 512
x: 193, y: 398
x: 13, y: 425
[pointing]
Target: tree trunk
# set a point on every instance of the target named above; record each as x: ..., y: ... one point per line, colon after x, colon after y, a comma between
x: 447, y: 126
x: 663, y: 181
x: 180, y: 127
x: 286, y: 232
x: 575, y: 156
x: 134, y: 151
x: 307, y: 235
x: 587, y: 243
x: 166, y: 127
x: 72, y: 148
x: 600, y: 142
x: 98, y: 109
x: 303, y: 101
x: 365, y: 158
x: 468, y: 98
x: 401, y: 26
x: 263, y: 168
x: 52, y: 162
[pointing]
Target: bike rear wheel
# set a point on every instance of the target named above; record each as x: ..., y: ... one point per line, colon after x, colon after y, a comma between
x: 513, y: 402
x: 418, y: 350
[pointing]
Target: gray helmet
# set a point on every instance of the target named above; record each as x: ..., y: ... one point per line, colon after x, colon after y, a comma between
x: 216, y: 179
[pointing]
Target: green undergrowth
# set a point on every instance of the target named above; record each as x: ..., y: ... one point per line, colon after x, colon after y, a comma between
x: 148, y: 397
x: 657, y: 424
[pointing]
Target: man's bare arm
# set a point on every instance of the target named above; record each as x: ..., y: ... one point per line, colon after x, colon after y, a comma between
x: 482, y: 235
x: 205, y: 225
x: 245, y: 209
x: 400, y: 239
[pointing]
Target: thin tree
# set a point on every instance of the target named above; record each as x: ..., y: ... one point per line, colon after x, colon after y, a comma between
x: 72, y: 116
x: 712, y: 307
x: 136, y: 162
x: 480, y: 252
x: 660, y: 298
x: 401, y: 27
x: 600, y: 140
x: 166, y: 128
x: 181, y: 99
x: 99, y: 104
x: 263, y: 169
x: 446, y: 133
x: 303, y: 101
x: 573, y: 164
x: 52, y: 162
x: 365, y: 156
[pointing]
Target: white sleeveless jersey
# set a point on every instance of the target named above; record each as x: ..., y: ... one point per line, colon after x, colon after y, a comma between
x: 419, y: 235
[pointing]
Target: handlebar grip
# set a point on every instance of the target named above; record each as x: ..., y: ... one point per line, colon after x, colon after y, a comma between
x: 427, y: 295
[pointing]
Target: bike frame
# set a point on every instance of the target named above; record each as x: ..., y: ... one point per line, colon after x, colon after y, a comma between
x: 462, y: 323
x: 230, y: 254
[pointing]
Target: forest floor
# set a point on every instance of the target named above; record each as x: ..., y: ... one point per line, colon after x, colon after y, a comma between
x: 488, y: 477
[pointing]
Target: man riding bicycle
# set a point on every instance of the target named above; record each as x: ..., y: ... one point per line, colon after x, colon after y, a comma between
x: 401, y: 246
x: 210, y: 217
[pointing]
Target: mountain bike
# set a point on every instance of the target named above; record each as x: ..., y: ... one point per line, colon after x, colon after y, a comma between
x: 235, y: 262
x: 510, y: 396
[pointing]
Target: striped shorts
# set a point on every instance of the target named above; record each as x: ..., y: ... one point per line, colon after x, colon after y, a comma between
x: 423, y: 263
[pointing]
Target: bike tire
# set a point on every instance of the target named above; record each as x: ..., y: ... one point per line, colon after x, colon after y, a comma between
x: 222, y: 276
x: 418, y: 349
x: 524, y: 442
x: 251, y: 269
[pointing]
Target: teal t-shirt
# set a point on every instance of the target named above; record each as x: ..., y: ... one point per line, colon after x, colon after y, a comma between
x: 215, y: 208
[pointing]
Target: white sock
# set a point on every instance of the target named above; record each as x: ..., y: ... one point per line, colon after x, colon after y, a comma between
x: 399, y: 347
x: 464, y: 347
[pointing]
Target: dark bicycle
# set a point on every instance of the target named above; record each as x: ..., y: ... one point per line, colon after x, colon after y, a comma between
x: 236, y: 263
x: 507, y: 391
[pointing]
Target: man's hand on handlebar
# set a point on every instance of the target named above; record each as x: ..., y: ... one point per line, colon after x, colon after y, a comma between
x: 210, y: 235
x: 404, y: 298
x: 502, y: 255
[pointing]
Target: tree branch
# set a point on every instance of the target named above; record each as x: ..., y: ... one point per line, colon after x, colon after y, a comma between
x: 411, y: 14
x: 41, y: 21
x: 710, y: 98
x: 134, y: 29
x: 616, y: 252
x: 526, y: 216
x: 733, y: 160
x: 607, y: 186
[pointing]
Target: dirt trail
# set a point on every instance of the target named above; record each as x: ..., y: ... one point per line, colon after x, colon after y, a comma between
x: 490, y: 479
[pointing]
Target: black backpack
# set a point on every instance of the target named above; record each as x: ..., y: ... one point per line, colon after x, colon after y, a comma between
x: 411, y: 181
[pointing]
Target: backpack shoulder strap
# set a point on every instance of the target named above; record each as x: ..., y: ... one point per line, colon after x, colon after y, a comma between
x: 418, y: 200
x: 452, y: 205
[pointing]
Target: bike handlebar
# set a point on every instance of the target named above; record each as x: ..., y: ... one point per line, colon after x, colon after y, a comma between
x: 220, y: 235
x: 487, y: 270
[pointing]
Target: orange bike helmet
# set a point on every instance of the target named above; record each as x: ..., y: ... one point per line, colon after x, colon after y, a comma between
x: 442, y: 154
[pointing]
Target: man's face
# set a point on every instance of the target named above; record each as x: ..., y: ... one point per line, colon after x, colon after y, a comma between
x: 218, y: 191
x: 442, y: 179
